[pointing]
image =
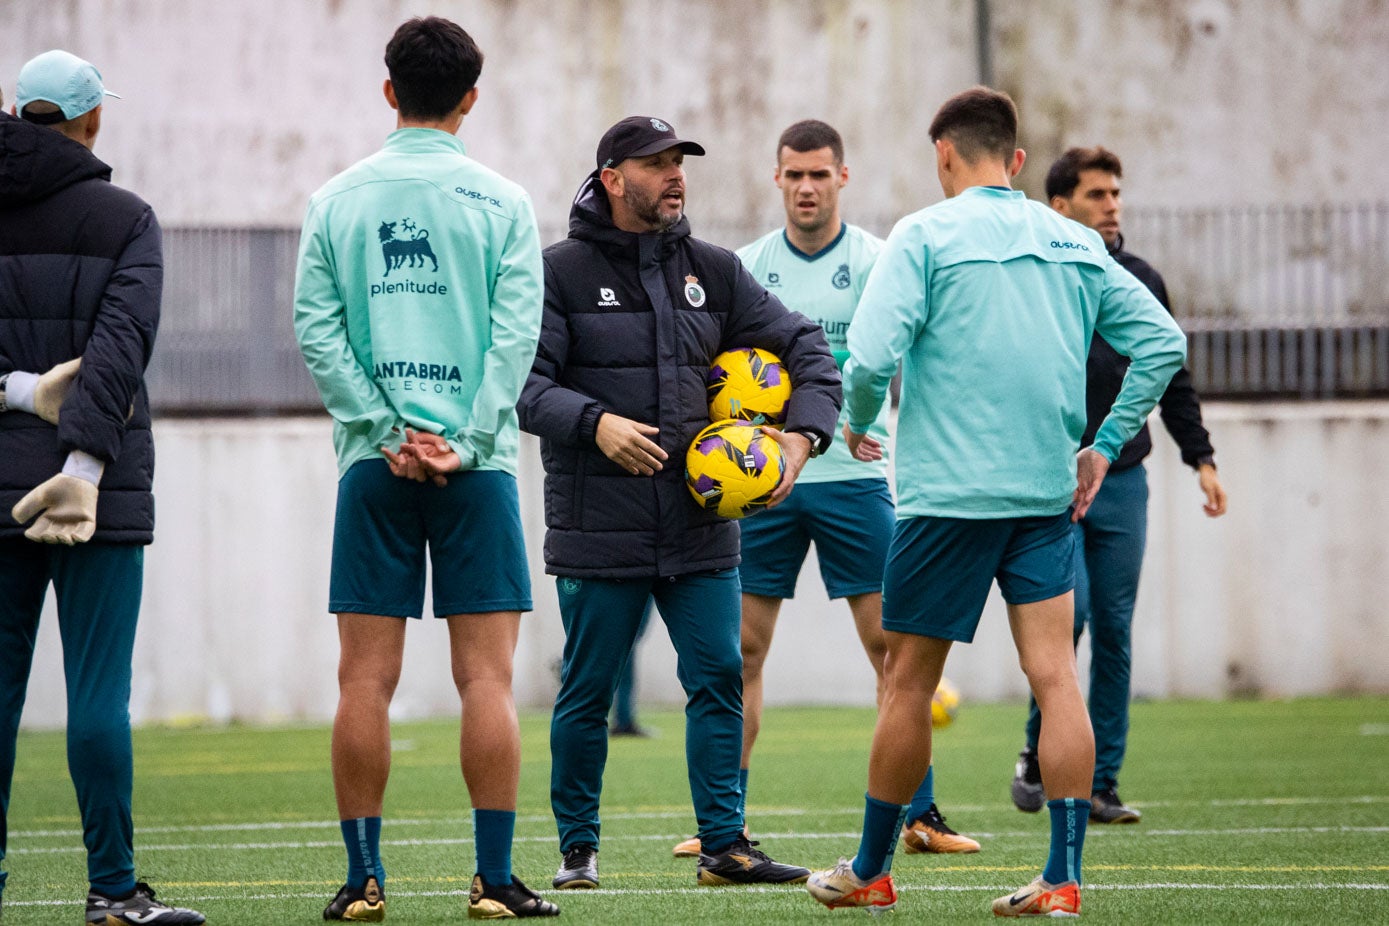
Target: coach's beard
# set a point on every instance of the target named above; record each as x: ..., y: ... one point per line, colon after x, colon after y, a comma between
x: 650, y: 212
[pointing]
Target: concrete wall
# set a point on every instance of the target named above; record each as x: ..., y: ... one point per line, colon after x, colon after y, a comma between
x: 235, y: 112
x: 1284, y: 596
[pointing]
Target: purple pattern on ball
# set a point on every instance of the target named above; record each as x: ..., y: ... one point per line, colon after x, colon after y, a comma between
x: 758, y: 455
x: 710, y: 444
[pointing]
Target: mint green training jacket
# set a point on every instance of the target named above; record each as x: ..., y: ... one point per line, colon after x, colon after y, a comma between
x: 989, y: 300
x: 418, y: 300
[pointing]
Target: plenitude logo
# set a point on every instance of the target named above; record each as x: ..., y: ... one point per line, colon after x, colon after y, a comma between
x: 407, y: 253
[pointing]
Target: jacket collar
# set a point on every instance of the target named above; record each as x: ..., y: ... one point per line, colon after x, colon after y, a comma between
x: 418, y: 140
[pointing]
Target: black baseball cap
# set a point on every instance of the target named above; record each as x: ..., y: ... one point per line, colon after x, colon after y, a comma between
x: 638, y: 136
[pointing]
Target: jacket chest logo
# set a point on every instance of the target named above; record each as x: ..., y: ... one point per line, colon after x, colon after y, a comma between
x: 694, y: 293
x: 607, y: 298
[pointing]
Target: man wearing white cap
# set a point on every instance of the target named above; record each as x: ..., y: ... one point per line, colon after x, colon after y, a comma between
x: 81, y: 274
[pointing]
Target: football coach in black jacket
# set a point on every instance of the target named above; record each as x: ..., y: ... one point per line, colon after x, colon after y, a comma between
x: 635, y: 310
x: 81, y: 273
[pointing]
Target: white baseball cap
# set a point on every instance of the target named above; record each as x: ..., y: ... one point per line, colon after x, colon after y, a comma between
x: 63, y: 79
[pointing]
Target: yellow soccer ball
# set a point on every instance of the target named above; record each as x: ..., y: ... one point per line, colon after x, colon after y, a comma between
x: 749, y: 384
x: 945, y: 704
x: 732, y: 468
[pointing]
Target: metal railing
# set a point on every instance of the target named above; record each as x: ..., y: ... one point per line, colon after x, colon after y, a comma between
x: 1277, y: 301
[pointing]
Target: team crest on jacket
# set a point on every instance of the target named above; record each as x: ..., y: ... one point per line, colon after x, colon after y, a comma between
x: 841, y: 277
x: 694, y: 293
x: 397, y: 250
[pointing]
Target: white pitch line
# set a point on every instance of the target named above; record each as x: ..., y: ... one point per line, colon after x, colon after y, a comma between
x: 1040, y: 833
x: 331, y: 825
x: 707, y: 892
x: 272, y: 825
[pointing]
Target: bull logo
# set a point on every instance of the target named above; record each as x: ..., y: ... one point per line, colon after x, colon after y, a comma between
x: 397, y: 250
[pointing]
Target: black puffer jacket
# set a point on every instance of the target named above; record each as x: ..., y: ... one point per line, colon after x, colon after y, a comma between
x: 81, y: 273
x: 626, y: 331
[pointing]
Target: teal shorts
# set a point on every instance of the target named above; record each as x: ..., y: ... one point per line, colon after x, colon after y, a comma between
x: 851, y: 523
x: 939, y: 570
x: 471, y: 529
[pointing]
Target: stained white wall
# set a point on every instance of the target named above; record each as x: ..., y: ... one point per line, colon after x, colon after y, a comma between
x: 1286, y: 595
x: 235, y: 112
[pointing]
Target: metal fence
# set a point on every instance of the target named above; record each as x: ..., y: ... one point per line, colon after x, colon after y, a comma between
x: 1278, y: 301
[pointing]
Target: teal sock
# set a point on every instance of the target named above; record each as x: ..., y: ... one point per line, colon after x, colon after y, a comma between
x: 743, y: 795
x: 881, y: 823
x: 362, y: 836
x: 925, y: 795
x: 492, y: 833
x: 1068, y: 818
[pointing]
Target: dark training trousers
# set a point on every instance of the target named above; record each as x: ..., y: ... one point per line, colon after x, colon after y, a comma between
x: 703, y: 614
x: 98, y: 594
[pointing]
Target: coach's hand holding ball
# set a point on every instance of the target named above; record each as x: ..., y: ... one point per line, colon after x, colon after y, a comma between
x: 795, y: 450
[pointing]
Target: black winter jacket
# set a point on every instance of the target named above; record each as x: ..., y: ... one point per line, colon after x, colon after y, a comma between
x: 1104, y: 374
x: 626, y: 330
x: 81, y: 273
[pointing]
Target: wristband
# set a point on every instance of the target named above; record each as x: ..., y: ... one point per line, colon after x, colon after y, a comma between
x: 19, y: 391
x: 84, y: 466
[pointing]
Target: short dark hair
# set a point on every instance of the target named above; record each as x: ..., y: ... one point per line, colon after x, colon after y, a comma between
x: 811, y: 135
x: 978, y: 121
x: 433, y: 64
x: 1064, y: 175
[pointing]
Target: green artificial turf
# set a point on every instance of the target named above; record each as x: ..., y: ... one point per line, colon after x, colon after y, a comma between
x: 1253, y: 812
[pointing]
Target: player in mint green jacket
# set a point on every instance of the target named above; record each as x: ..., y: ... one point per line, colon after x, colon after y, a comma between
x: 417, y: 308
x: 818, y: 264
x: 989, y: 301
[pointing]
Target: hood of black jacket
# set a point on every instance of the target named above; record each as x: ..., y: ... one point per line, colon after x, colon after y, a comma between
x: 36, y: 162
x: 591, y: 219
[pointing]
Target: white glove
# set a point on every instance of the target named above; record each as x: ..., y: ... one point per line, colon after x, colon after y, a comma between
x: 65, y: 504
x: 42, y: 394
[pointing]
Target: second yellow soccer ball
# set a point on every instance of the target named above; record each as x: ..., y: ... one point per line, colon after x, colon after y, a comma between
x: 748, y: 384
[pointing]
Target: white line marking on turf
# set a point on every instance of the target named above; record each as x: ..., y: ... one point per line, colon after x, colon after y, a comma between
x: 1040, y: 833
x: 332, y: 825
x: 1374, y: 729
x: 718, y: 892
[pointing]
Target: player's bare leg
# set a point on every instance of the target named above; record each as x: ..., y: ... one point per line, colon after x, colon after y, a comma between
x: 759, y: 623
x: 1065, y: 751
x: 482, y: 647
x: 368, y: 671
x: 868, y: 621
x: 901, y: 751
x: 900, y: 756
x: 1066, y: 747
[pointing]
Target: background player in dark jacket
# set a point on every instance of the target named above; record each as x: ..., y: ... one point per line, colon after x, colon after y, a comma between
x: 81, y: 273
x: 635, y: 310
x: 1083, y: 185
